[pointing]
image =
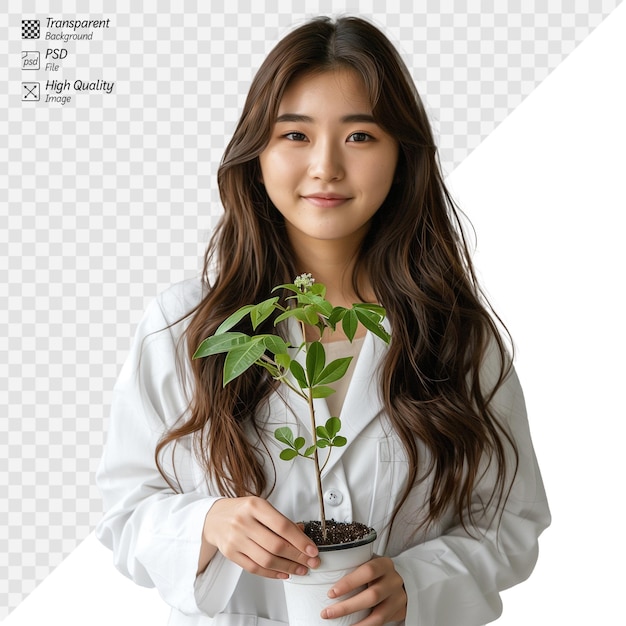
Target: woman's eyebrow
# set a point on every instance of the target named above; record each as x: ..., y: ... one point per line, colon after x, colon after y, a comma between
x: 359, y: 117
x: 306, y: 119
x: 294, y: 117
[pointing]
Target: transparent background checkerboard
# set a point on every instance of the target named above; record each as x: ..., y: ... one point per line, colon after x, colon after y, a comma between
x: 109, y: 199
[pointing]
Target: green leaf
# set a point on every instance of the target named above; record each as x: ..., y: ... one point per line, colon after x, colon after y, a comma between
x: 262, y: 311
x: 322, y: 433
x: 307, y: 298
x: 375, y: 308
x: 371, y: 321
x: 234, y: 319
x: 318, y: 289
x: 284, y: 434
x: 322, y: 391
x: 290, y: 287
x: 298, y: 373
x: 240, y: 358
x: 333, y: 426
x: 288, y: 313
x: 299, y: 443
x: 334, y: 370
x: 275, y: 344
x: 288, y: 454
x: 311, y: 314
x: 300, y: 314
x: 336, y: 315
x: 309, y: 451
x: 315, y: 361
x: 323, y: 307
x: 323, y: 443
x: 284, y: 360
x: 350, y: 323
x: 339, y: 441
x: 219, y: 343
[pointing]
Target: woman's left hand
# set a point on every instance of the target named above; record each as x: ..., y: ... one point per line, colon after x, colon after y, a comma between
x: 384, y: 593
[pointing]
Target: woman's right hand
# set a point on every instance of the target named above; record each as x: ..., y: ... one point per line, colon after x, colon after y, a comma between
x: 252, y: 533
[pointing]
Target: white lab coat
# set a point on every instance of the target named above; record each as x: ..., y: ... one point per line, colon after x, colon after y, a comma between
x: 451, y: 578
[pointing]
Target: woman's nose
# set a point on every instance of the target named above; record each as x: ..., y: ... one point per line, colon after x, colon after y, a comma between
x: 325, y: 162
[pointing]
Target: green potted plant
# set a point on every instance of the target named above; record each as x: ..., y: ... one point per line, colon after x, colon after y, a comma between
x: 306, y: 304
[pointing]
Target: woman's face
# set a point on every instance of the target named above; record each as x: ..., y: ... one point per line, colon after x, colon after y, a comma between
x: 328, y: 166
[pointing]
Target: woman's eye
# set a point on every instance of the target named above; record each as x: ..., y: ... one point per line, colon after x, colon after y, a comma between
x: 295, y: 136
x: 359, y: 137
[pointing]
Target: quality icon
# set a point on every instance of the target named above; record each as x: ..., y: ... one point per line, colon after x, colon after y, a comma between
x: 30, y: 92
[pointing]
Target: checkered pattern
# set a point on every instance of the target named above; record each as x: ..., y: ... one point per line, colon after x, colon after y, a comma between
x: 30, y: 29
x: 110, y: 198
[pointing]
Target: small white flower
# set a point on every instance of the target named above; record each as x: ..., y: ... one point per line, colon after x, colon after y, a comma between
x: 304, y: 282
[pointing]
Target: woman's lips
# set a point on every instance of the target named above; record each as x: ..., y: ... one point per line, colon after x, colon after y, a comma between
x: 326, y: 200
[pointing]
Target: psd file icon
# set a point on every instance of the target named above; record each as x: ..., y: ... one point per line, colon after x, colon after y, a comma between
x: 31, y: 60
x: 30, y: 92
x: 30, y: 29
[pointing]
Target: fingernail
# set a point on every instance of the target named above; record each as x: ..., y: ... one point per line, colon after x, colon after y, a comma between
x: 301, y: 571
x: 332, y: 593
x: 311, y: 550
x: 324, y: 614
x: 313, y: 563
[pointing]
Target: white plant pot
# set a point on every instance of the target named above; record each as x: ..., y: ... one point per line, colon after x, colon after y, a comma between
x: 307, y: 595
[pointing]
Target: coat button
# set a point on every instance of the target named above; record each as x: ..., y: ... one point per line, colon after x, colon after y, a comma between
x: 333, y: 497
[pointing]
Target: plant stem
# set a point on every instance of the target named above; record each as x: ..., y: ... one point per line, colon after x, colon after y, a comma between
x: 318, y: 472
x: 280, y: 377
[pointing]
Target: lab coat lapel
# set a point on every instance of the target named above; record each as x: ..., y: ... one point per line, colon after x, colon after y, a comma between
x: 363, y: 402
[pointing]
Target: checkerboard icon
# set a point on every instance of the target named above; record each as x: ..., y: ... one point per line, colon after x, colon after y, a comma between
x: 30, y: 29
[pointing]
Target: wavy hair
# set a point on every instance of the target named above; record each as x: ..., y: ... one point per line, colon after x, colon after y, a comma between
x: 417, y: 260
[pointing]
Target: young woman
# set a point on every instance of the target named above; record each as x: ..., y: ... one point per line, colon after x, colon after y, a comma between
x: 332, y: 170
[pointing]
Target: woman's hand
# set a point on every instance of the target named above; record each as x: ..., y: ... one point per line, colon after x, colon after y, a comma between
x: 252, y: 533
x: 384, y: 593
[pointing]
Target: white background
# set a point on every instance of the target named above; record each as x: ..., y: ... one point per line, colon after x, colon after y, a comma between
x: 545, y: 193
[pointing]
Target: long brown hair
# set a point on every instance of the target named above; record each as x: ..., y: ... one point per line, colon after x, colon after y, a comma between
x: 418, y: 263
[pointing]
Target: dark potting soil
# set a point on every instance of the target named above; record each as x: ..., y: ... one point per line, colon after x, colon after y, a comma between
x: 336, y: 532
